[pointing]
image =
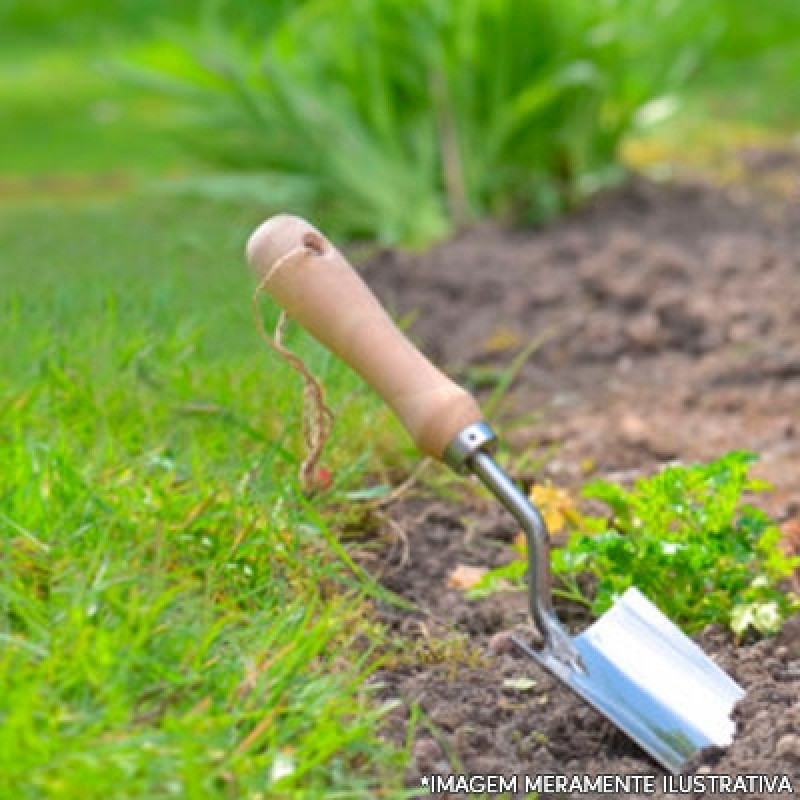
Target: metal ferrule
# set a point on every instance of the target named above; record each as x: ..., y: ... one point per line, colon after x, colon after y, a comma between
x: 477, y: 438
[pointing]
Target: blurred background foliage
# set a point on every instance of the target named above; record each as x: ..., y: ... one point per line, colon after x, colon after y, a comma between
x: 155, y: 548
x: 395, y: 120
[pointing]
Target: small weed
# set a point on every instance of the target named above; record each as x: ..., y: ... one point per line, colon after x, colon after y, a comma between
x: 686, y: 539
x: 453, y: 651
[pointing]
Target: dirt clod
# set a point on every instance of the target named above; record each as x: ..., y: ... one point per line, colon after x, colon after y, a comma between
x: 427, y: 752
x: 501, y: 644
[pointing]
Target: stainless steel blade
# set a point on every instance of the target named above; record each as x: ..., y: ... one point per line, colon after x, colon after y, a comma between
x: 651, y: 680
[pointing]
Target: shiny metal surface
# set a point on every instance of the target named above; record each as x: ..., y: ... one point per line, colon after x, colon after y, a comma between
x: 556, y: 639
x: 633, y: 664
x: 473, y: 439
x: 651, y: 680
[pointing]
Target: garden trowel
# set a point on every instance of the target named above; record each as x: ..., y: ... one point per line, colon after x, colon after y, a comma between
x: 633, y: 665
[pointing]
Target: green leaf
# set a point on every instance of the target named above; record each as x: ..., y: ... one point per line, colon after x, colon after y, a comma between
x: 511, y: 574
x: 371, y: 493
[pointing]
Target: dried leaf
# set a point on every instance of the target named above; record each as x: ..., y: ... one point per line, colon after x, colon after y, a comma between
x: 790, y: 544
x: 501, y: 340
x: 790, y: 536
x: 465, y: 577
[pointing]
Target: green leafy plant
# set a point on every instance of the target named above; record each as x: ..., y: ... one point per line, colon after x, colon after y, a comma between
x: 687, y: 540
x: 398, y: 120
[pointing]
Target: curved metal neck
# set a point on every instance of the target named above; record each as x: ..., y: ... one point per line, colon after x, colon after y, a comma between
x: 529, y: 518
x: 469, y: 450
x: 540, y: 602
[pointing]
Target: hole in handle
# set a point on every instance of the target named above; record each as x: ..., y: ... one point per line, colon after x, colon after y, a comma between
x: 315, y: 243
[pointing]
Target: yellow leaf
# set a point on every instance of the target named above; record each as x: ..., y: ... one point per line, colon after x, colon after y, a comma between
x: 465, y: 577
x: 556, y: 506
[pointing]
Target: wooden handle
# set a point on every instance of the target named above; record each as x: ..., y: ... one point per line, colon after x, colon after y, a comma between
x: 316, y: 286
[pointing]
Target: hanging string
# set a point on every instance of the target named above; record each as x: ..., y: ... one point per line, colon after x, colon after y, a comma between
x: 317, y: 419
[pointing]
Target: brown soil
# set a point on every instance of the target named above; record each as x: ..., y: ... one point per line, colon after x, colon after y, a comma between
x: 669, y: 316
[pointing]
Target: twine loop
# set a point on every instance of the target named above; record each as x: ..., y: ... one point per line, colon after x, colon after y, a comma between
x: 317, y: 417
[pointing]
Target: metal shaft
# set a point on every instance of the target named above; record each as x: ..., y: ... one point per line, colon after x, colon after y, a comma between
x: 529, y: 518
x: 469, y: 450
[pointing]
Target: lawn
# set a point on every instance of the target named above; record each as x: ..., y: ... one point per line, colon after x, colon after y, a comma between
x: 174, y: 612
x: 177, y: 618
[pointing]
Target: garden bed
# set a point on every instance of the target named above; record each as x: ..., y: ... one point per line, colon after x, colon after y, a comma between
x: 668, y: 317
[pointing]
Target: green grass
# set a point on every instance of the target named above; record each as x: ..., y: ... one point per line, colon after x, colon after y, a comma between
x: 28, y: 22
x: 66, y: 110
x: 175, y: 617
x: 68, y: 114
